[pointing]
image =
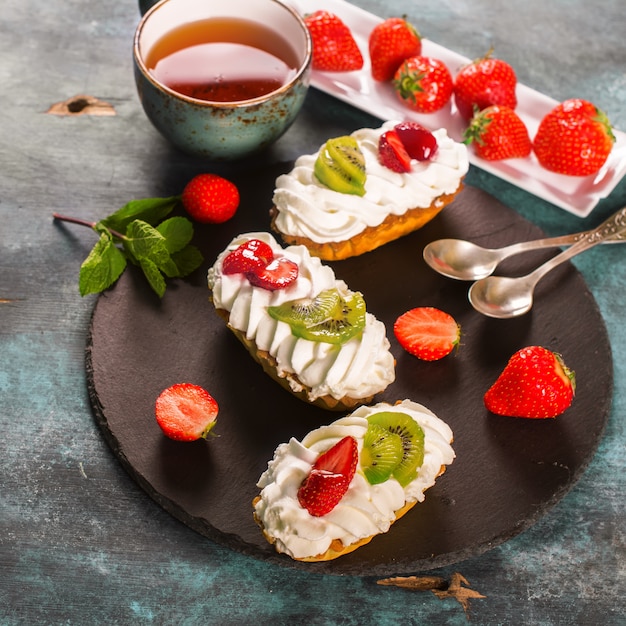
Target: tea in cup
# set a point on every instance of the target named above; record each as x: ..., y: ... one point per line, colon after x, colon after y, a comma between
x: 222, y: 80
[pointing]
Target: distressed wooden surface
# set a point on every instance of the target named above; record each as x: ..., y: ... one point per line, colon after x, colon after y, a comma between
x: 80, y: 542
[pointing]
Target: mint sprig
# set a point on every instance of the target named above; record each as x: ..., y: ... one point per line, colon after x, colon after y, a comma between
x: 139, y: 233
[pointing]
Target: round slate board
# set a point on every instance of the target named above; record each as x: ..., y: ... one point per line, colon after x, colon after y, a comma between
x: 508, y: 472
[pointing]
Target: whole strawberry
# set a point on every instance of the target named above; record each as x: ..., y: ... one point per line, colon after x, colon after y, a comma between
x: 484, y: 82
x: 535, y: 383
x: 390, y: 43
x: 334, y: 47
x: 575, y: 138
x: 498, y: 133
x: 423, y: 84
x: 210, y: 199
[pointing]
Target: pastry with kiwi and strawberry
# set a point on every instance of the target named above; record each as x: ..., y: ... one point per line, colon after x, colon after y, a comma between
x: 349, y: 481
x: 306, y: 328
x: 363, y: 190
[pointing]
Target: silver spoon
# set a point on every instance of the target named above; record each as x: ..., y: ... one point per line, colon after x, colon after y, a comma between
x: 503, y: 297
x: 464, y: 260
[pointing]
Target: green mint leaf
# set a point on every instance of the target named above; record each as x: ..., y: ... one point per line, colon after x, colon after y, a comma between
x: 177, y: 231
x: 169, y: 268
x: 102, y: 267
x: 146, y: 242
x: 150, y: 210
x: 155, y: 278
x: 187, y: 260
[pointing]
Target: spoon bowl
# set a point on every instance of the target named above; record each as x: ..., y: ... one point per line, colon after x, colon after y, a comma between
x: 502, y: 297
x: 460, y: 259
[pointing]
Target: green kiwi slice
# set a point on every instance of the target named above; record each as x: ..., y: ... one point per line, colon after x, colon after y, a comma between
x: 308, y: 311
x: 381, y: 454
x: 340, y: 166
x: 412, y: 436
x: 328, y: 317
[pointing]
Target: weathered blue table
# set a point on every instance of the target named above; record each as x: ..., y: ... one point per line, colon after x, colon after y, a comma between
x: 80, y: 542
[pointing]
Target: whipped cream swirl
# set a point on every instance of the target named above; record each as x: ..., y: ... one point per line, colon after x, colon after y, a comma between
x: 358, y: 368
x: 365, y: 510
x: 307, y: 208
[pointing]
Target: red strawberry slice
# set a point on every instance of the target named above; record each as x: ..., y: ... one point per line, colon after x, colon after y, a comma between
x: 334, y: 47
x: 330, y: 477
x: 427, y: 333
x: 252, y: 255
x: 210, y: 199
x: 392, y: 153
x: 277, y: 274
x: 418, y: 141
x: 186, y: 412
x: 535, y: 383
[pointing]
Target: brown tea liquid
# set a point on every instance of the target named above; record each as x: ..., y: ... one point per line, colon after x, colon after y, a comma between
x: 222, y: 60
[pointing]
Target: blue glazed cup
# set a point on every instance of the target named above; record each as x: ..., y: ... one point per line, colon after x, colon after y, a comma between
x: 221, y: 131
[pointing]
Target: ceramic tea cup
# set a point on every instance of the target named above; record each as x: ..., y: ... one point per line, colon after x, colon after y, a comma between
x: 202, y: 110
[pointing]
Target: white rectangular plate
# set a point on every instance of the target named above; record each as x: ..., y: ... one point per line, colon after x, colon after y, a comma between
x: 577, y: 195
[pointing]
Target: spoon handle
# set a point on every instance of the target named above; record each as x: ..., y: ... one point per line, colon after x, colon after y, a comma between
x: 617, y: 236
x: 612, y: 228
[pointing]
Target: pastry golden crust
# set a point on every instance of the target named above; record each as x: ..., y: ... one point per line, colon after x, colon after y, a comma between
x: 337, y: 548
x: 268, y: 363
x: 393, y: 227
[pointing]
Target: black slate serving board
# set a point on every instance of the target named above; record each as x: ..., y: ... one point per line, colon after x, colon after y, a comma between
x: 508, y: 472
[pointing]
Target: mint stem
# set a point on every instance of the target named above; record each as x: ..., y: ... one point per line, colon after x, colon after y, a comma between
x: 92, y: 225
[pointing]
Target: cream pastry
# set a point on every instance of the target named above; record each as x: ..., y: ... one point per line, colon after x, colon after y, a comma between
x: 356, y: 194
x: 307, y: 329
x: 388, y: 455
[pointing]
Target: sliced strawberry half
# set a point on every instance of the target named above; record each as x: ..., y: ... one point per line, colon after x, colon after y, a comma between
x: 427, y: 333
x: 392, y: 153
x: 277, y: 274
x: 251, y: 255
x: 186, y: 412
x: 330, y: 477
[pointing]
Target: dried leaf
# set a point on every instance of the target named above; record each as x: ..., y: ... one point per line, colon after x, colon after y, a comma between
x: 439, y: 586
x: 417, y: 583
x: 457, y: 591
